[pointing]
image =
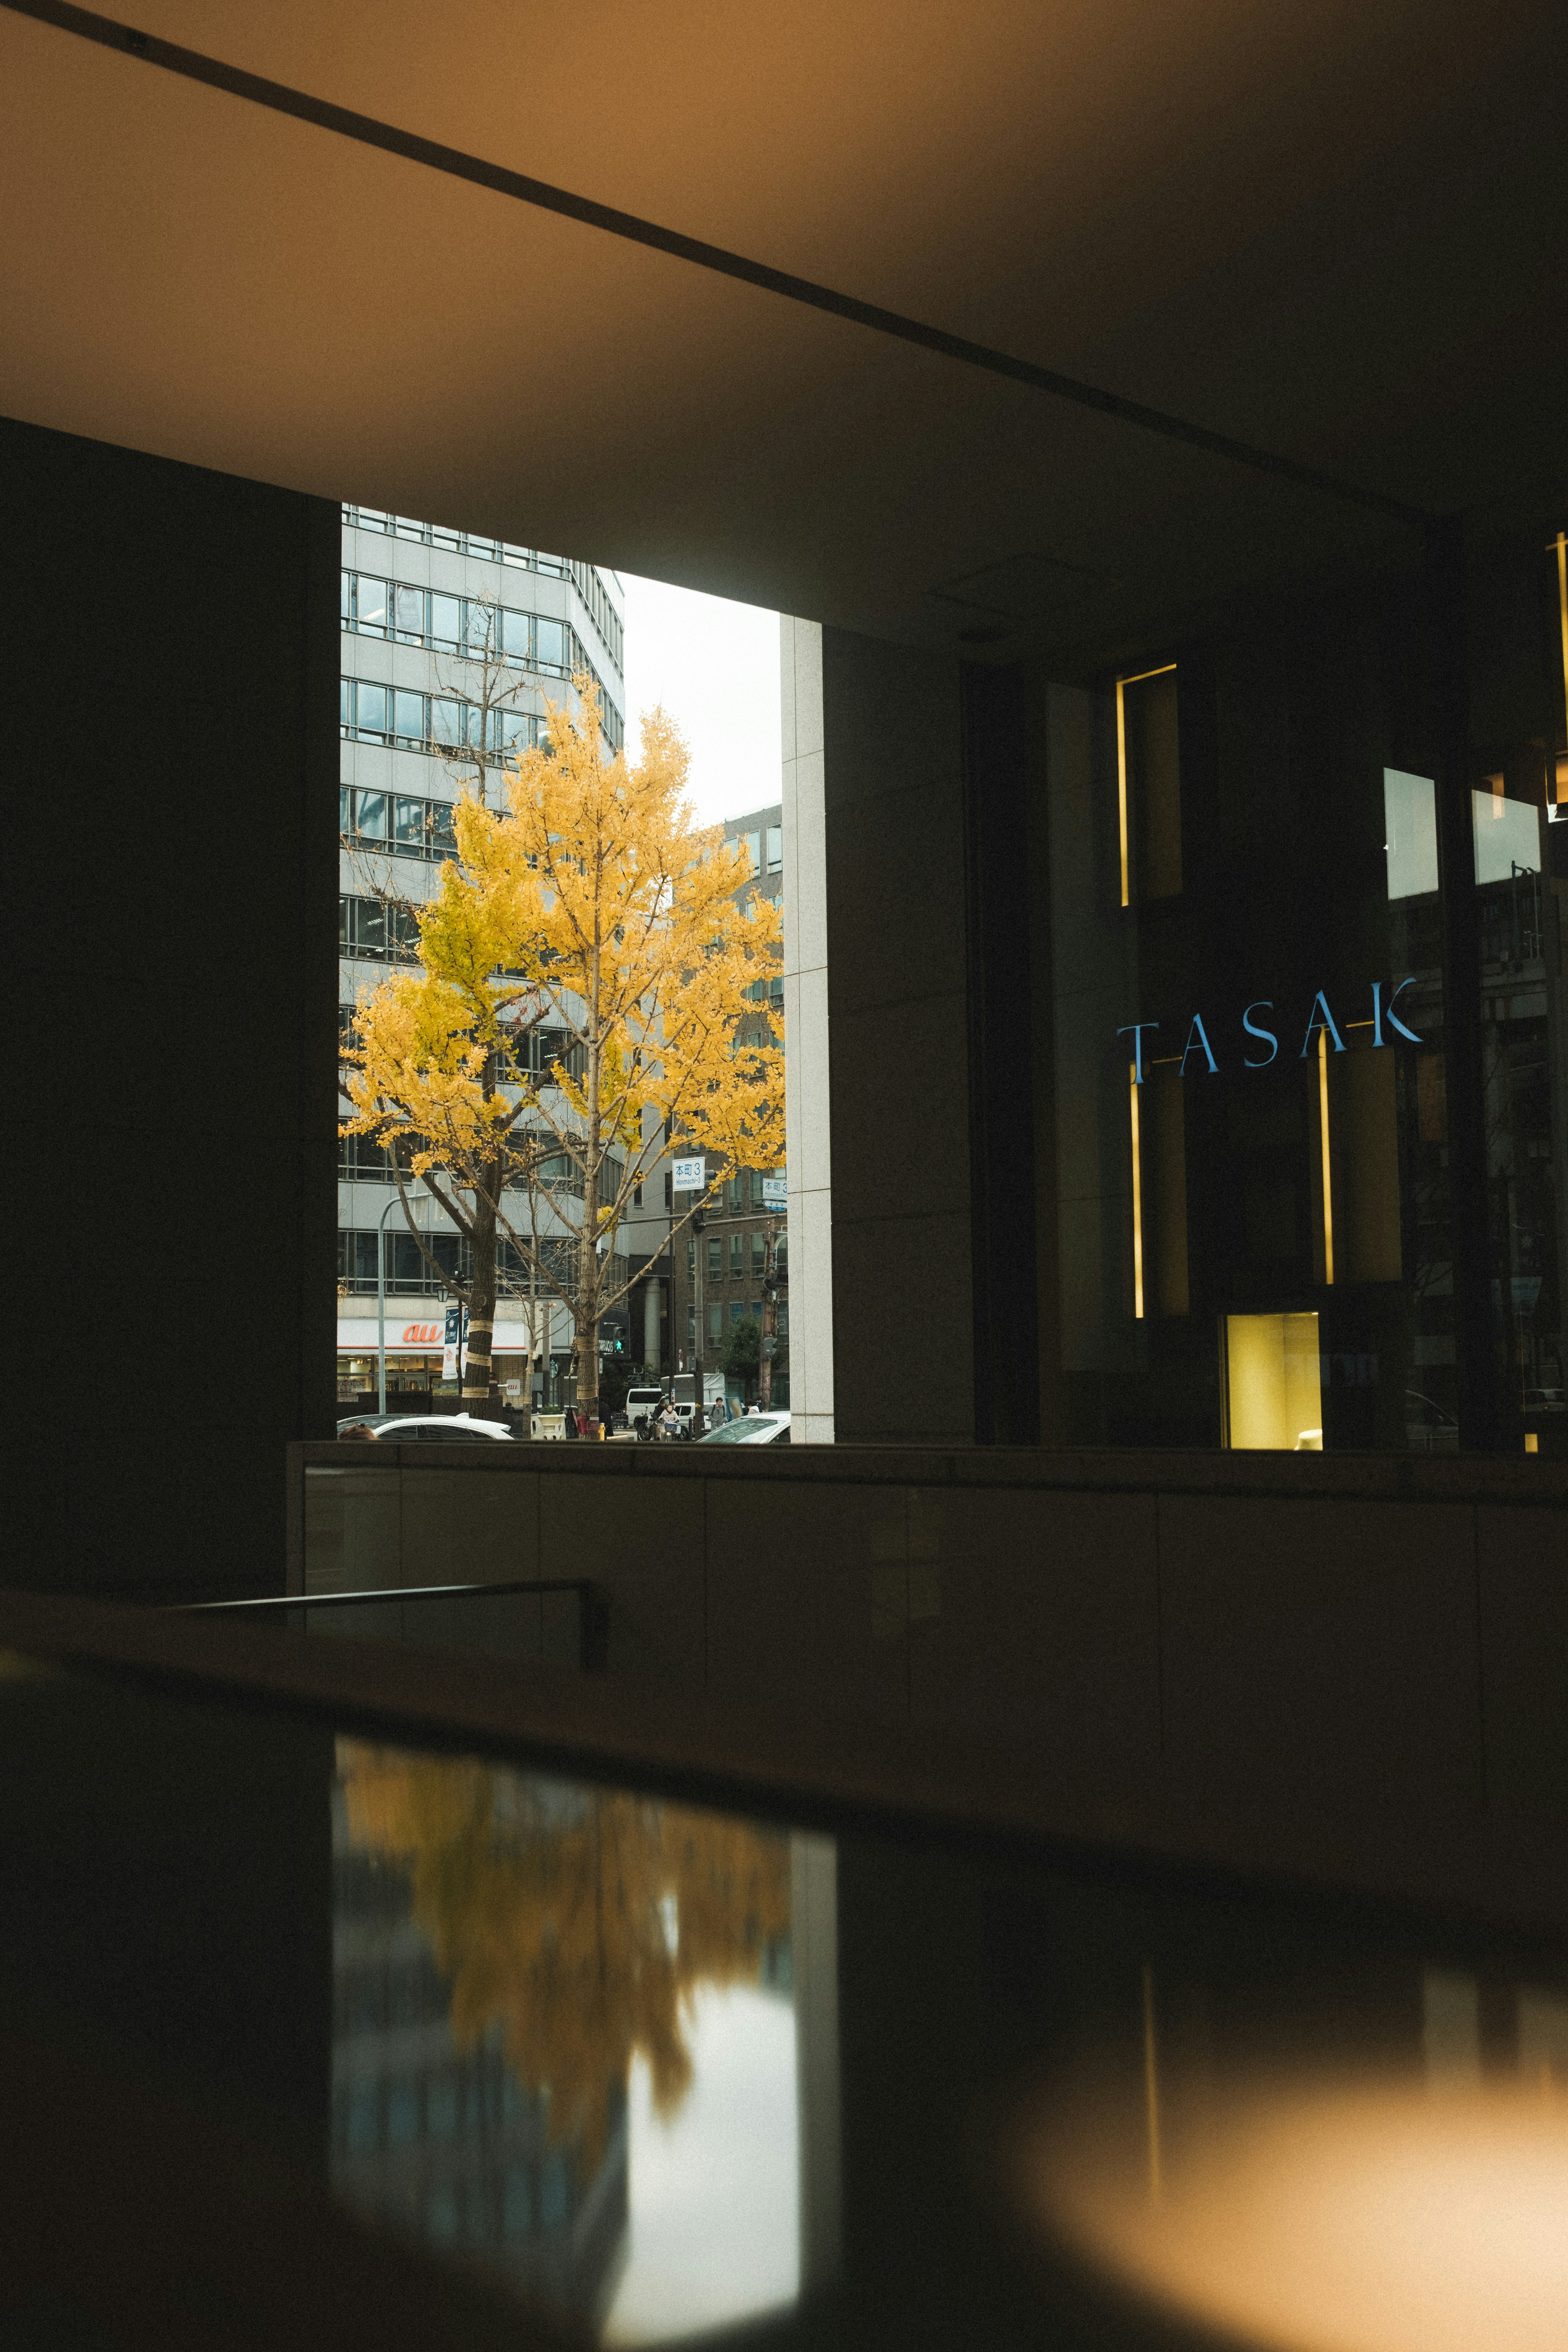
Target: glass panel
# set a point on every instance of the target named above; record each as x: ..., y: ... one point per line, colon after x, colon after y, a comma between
x: 371, y: 708
x: 345, y: 605
x: 408, y: 716
x: 517, y: 635
x: 409, y: 527
x: 1274, y: 1391
x: 479, y: 629
x: 521, y: 556
x: 345, y: 702
x: 550, y: 644
x: 775, y: 849
x: 370, y: 815
x: 409, y: 824
x: 369, y: 602
x: 516, y: 730
x: 1506, y: 836
x: 444, y: 839
x: 445, y: 621
x: 1410, y: 825
x: 370, y: 926
x: 409, y: 611
x: 485, y: 549
x: 440, y: 536
x: 715, y: 1260
x: 345, y: 808
x: 446, y: 720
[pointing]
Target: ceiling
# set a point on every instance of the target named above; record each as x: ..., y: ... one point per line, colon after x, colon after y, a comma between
x: 1337, y: 233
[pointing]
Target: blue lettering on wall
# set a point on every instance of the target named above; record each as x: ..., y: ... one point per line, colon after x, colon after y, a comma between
x: 1384, y: 1020
x: 1135, y: 1029
x: 1381, y: 1011
x: 1326, y: 1024
x: 1198, y: 1031
x: 1263, y: 1004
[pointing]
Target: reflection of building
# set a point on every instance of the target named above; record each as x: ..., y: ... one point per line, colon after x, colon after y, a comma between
x: 444, y: 2142
x: 720, y: 1270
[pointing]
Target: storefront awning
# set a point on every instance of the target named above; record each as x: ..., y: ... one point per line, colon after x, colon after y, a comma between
x: 417, y: 1335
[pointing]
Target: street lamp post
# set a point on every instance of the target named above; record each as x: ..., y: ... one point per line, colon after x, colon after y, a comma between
x: 395, y: 1201
x: 381, y: 1304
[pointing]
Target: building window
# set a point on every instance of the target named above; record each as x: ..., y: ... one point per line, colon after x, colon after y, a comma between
x: 759, y: 1256
x: 716, y: 1321
x: 715, y: 1259
x: 737, y: 1309
x: 776, y: 849
x: 476, y: 628
x: 396, y: 823
x: 377, y: 931
x: 737, y: 1256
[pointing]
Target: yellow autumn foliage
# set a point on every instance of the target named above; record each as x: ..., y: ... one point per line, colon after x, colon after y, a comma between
x: 582, y: 1919
x: 593, y: 906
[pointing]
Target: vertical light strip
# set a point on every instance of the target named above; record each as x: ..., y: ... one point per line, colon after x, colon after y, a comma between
x: 1137, y: 1197
x: 1122, y: 780
x: 1562, y: 623
x: 1323, y: 1122
x: 1152, y: 2089
x: 1136, y: 678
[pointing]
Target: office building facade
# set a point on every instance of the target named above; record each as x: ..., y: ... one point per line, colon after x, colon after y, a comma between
x: 452, y: 645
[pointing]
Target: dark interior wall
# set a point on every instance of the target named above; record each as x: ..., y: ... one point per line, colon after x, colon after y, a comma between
x: 171, y: 636
x: 903, y: 1299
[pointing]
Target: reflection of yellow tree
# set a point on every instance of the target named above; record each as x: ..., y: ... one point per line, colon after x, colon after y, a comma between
x: 584, y: 1919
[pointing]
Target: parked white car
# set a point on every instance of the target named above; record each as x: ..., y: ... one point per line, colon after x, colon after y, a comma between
x: 751, y: 1429
x: 407, y: 1429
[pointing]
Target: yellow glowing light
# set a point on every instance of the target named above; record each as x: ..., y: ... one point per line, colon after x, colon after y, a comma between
x: 1384, y: 2220
x: 1136, y: 678
x: 1328, y: 1179
x: 1137, y: 1197
x: 1532, y: 1446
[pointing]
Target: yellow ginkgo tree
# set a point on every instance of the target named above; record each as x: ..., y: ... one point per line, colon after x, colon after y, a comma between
x: 593, y: 917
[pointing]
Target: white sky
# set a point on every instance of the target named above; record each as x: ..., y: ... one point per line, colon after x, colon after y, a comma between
x: 714, y: 667
x: 715, y: 2193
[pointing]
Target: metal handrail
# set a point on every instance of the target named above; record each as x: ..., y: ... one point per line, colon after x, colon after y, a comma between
x: 392, y: 1593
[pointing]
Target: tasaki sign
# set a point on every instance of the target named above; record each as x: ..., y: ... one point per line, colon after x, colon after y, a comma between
x: 1384, y: 1022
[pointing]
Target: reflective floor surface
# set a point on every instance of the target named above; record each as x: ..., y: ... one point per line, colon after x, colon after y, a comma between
x: 311, y: 2038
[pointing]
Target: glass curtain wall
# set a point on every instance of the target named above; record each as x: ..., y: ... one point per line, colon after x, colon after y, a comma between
x: 1259, y: 1087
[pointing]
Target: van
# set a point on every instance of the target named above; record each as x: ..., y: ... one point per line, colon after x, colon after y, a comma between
x: 642, y: 1404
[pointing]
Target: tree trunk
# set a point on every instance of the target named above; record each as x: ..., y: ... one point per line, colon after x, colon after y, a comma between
x: 481, y: 1291
x: 587, y: 1319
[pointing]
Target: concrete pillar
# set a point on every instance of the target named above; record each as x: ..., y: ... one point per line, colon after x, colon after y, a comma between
x: 808, y: 1120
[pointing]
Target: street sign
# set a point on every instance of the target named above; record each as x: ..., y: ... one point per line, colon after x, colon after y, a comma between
x: 689, y: 1175
x: 775, y: 1191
